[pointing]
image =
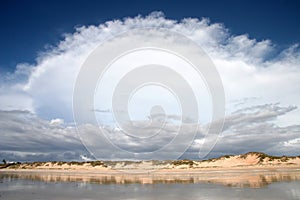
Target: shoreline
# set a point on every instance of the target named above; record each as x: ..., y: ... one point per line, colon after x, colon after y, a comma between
x: 241, y: 169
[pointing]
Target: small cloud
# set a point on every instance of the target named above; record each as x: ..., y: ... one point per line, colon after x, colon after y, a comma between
x: 102, y: 110
x: 56, y: 122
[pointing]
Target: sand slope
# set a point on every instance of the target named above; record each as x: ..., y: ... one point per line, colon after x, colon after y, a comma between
x: 248, y: 160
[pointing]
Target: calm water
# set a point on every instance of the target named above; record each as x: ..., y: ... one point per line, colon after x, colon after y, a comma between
x: 31, y: 186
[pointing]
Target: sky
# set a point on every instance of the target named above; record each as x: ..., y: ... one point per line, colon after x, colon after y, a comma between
x: 254, y: 46
x: 30, y: 27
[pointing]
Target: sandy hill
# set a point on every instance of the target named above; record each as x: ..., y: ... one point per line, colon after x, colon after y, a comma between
x: 248, y: 160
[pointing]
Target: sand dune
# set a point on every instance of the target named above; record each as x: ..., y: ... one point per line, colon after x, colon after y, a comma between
x: 248, y: 160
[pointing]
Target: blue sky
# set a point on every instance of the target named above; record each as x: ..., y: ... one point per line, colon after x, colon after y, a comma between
x: 29, y: 27
x: 253, y: 46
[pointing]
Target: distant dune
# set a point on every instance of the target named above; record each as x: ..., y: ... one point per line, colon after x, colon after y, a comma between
x: 248, y: 160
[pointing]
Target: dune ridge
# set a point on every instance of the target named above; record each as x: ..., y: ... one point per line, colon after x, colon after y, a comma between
x: 248, y: 160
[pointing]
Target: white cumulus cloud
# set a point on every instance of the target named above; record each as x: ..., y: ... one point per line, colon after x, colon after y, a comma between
x: 253, y: 73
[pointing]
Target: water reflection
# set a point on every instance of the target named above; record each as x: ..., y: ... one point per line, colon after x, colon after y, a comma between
x: 241, y: 179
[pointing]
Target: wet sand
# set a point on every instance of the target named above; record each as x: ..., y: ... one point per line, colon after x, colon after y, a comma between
x: 254, y: 178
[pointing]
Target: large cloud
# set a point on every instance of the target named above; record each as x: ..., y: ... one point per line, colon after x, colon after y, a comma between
x: 248, y: 68
x: 253, y: 73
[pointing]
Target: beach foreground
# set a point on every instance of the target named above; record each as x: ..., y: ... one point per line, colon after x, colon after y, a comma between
x: 249, y: 176
x: 248, y: 170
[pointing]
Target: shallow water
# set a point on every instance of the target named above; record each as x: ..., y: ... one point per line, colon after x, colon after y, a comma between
x: 38, y: 185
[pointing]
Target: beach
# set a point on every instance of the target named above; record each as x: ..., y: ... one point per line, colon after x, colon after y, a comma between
x: 248, y: 170
x: 247, y: 176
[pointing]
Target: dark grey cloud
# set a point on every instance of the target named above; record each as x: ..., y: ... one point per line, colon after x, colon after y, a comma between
x: 25, y: 137
x: 255, y: 114
x: 254, y: 129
